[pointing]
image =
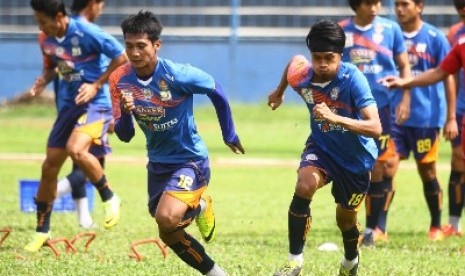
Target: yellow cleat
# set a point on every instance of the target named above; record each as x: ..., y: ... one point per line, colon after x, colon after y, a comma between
x: 206, y: 220
x: 112, y: 211
x: 291, y: 268
x: 39, y: 239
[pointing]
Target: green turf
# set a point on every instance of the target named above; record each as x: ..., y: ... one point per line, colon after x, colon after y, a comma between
x: 250, y: 200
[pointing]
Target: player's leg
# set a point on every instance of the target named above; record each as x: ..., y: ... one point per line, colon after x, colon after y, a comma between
x: 310, y: 177
x: 426, y: 154
x: 456, y: 186
x: 349, y: 191
x: 92, y: 129
x: 174, y: 203
x: 377, y: 200
x: 55, y: 157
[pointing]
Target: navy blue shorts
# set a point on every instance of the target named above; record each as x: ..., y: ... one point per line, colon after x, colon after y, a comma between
x: 186, y: 182
x: 348, y: 189
x: 423, y: 142
x: 458, y: 140
x: 386, y: 148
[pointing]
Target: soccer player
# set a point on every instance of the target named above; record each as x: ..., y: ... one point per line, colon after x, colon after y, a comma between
x: 427, y: 47
x: 76, y: 49
x: 456, y: 187
x: 340, y: 148
x: 75, y: 182
x: 375, y: 45
x: 158, y: 94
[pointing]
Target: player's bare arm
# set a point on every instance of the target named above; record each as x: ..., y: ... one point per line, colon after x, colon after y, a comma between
x: 450, y: 130
x: 41, y: 82
x: 402, y: 112
x: 426, y: 78
x: 87, y: 91
x: 276, y: 97
x: 368, y: 126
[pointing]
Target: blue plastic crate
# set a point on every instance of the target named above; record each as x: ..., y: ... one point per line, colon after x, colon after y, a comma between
x: 28, y: 190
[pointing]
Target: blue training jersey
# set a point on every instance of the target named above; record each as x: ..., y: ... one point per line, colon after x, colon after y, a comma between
x: 164, y: 109
x: 345, y: 95
x: 373, y: 49
x: 81, y: 56
x: 456, y: 32
x: 426, y: 49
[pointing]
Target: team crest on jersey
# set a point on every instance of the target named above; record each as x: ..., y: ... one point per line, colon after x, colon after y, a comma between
x: 59, y: 51
x: 147, y: 94
x: 378, y: 38
x: 421, y: 47
x: 165, y: 94
x: 349, y: 39
x: 75, y: 41
x: 307, y: 94
x: 379, y: 28
x: 334, y: 93
x: 76, y: 51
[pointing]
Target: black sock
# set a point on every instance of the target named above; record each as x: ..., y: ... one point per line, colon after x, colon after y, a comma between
x: 388, y: 195
x: 77, y: 180
x: 103, y: 189
x: 455, y: 194
x: 433, y: 196
x: 44, y: 212
x: 350, y: 240
x: 193, y: 254
x: 374, y: 203
x: 299, y: 221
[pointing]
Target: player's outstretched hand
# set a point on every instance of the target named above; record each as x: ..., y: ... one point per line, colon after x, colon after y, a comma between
x: 393, y: 82
x: 450, y: 130
x: 275, y: 99
x: 38, y: 86
x: 236, y: 147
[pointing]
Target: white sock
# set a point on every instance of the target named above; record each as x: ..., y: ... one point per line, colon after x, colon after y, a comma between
x: 455, y: 222
x: 349, y: 264
x: 216, y: 271
x: 298, y: 258
x: 82, y: 207
x: 63, y: 187
x: 203, y: 205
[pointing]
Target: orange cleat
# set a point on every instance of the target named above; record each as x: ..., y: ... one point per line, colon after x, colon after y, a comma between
x: 448, y: 230
x: 435, y: 234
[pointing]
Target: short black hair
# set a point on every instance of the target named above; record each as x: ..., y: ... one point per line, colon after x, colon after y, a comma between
x: 78, y: 5
x: 326, y: 36
x: 48, y: 7
x: 144, y: 22
x: 459, y: 4
x: 354, y: 4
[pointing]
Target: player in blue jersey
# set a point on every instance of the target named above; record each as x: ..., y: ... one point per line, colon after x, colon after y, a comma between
x: 456, y: 187
x: 75, y: 182
x: 158, y: 94
x: 427, y: 47
x: 75, y: 49
x: 375, y: 45
x: 340, y: 148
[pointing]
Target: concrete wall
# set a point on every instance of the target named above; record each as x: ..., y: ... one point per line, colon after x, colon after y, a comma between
x: 248, y: 70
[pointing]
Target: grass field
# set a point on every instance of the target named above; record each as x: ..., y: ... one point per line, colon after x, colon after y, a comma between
x: 251, y: 195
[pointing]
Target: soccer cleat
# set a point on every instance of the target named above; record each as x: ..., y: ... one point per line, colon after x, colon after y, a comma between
x: 291, y: 268
x: 112, y: 211
x: 449, y: 230
x: 38, y: 240
x: 343, y: 271
x: 379, y: 235
x: 367, y: 240
x: 435, y: 234
x: 206, y: 221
